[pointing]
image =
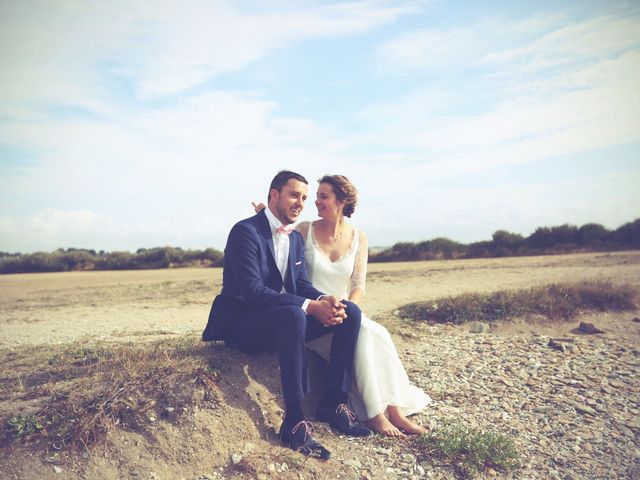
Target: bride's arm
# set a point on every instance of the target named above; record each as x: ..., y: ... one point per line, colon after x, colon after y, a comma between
x: 258, y: 206
x: 359, y: 275
x: 303, y: 228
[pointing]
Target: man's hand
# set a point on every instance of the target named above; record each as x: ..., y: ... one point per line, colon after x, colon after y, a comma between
x: 329, y: 311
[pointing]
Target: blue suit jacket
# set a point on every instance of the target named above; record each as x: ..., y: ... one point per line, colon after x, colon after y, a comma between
x: 251, y: 280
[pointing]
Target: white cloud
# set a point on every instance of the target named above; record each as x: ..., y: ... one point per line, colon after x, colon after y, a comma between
x: 586, y: 105
x: 589, y: 40
x: 200, y: 41
x: 53, y: 222
x: 461, y: 46
x: 431, y: 49
x: 54, y: 228
x: 521, y: 47
x: 152, y: 161
x: 182, y: 173
x: 52, y: 49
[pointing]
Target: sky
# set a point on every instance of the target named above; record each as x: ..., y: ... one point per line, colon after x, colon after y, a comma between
x: 127, y: 125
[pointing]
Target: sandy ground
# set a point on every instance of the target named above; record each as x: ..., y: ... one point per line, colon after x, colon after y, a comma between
x: 50, y: 308
x: 63, y: 307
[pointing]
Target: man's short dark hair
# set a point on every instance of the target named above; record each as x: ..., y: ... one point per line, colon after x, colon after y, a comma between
x: 281, y: 178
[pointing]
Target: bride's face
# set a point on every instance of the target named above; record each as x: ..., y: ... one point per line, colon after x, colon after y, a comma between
x: 328, y: 205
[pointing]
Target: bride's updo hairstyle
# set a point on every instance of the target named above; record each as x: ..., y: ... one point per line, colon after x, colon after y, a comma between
x: 344, y: 190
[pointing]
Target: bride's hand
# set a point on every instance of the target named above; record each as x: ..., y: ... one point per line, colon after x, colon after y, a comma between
x: 258, y: 206
x: 327, y: 310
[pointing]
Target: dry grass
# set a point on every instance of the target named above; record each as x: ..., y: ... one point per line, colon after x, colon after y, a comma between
x: 74, y: 395
x: 556, y: 301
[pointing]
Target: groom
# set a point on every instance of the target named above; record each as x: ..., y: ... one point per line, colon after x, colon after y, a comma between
x: 267, y: 303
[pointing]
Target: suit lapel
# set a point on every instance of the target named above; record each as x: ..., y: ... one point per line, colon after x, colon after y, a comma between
x: 265, y: 231
x: 289, y: 281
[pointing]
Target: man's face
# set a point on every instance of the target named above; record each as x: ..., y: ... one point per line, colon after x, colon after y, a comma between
x: 287, y: 204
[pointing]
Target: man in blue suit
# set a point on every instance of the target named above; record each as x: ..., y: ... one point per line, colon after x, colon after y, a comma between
x: 268, y: 303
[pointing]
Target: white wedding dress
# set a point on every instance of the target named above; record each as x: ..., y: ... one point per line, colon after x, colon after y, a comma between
x: 379, y: 377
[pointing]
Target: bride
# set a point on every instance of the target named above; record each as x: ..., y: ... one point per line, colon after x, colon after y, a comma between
x: 336, y: 256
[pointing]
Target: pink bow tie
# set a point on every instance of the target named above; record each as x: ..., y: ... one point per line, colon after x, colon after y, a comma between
x: 286, y: 229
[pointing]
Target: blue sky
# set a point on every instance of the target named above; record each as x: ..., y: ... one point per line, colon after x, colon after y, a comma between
x: 149, y: 123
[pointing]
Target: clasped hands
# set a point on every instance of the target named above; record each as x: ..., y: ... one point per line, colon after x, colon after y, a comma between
x: 328, y: 310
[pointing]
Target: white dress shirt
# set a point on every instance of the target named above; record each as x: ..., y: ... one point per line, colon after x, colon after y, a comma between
x: 280, y: 243
x: 281, y: 248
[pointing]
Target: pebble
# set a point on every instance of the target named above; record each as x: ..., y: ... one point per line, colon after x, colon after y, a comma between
x: 382, y: 451
x: 355, y: 463
x: 580, y: 408
x: 571, y: 415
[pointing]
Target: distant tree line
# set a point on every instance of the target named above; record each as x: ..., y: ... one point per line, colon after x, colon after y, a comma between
x: 79, y: 259
x: 544, y: 241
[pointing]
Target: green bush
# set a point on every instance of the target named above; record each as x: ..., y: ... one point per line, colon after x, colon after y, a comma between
x: 470, y: 450
x: 544, y: 240
x: 562, y: 301
x: 73, y: 259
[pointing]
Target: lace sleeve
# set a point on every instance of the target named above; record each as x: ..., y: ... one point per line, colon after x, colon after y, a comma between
x: 303, y: 229
x: 359, y: 275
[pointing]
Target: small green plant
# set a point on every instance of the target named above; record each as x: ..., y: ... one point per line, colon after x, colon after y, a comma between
x: 22, y: 426
x: 471, y: 450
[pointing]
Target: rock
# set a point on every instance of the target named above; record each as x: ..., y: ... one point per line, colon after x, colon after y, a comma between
x: 557, y: 345
x: 505, y: 381
x: 57, y: 469
x: 355, y: 463
x: 589, y: 328
x: 236, y: 458
x: 478, y: 327
x: 408, y: 458
x: 365, y: 475
x: 383, y: 451
x: 633, y: 472
x: 248, y: 447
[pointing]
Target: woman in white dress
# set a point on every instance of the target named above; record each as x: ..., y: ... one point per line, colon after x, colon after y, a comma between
x: 336, y: 255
